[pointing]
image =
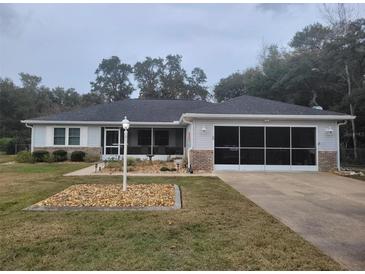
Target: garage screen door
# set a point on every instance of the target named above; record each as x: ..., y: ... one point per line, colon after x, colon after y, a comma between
x: 265, y: 146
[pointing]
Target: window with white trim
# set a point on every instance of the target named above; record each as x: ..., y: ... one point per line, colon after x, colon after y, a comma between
x: 59, y: 136
x: 74, y: 136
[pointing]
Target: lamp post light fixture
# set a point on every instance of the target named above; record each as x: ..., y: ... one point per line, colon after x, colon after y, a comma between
x: 125, y: 124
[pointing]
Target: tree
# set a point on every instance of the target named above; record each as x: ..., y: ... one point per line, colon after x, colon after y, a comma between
x: 346, y: 49
x: 65, y: 99
x: 348, y: 52
x: 30, y: 100
x: 256, y: 83
x: 230, y: 87
x: 148, y: 76
x: 166, y: 78
x: 173, y: 77
x: 30, y: 82
x: 312, y: 37
x: 273, y: 67
x: 196, y: 88
x: 90, y: 99
x: 15, y: 104
x: 112, y: 80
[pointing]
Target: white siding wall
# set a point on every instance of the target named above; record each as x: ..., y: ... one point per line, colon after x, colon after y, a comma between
x: 39, y: 136
x: 43, y: 135
x: 326, y: 142
x: 205, y: 141
x: 94, y: 136
x: 90, y: 136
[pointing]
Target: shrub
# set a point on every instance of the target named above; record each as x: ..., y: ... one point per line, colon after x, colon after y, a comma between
x: 59, y: 155
x: 131, y: 161
x: 40, y: 155
x: 164, y: 168
x: 111, y: 163
x: 92, y: 157
x: 184, y: 162
x: 24, y: 157
x: 49, y: 158
x: 10, y: 147
x: 4, y: 141
x: 173, y: 169
x: 78, y: 156
x: 6, y: 145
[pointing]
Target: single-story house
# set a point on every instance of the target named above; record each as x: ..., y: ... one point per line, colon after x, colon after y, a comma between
x: 245, y: 133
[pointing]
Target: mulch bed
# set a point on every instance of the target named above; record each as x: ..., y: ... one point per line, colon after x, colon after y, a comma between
x: 111, y: 195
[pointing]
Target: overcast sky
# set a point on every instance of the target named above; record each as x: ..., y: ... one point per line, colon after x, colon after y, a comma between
x: 64, y: 43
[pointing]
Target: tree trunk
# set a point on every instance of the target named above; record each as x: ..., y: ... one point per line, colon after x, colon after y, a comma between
x: 313, y: 101
x: 349, y: 89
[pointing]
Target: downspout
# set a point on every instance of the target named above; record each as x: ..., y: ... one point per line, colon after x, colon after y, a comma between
x: 31, y: 136
x: 191, y: 140
x: 338, y: 144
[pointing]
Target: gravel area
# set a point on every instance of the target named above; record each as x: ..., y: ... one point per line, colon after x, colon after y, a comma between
x: 145, y: 166
x: 111, y: 195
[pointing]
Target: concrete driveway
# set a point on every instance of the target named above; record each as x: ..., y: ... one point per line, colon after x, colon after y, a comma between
x: 325, y: 209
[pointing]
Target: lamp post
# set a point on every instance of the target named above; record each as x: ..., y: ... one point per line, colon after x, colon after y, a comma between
x: 125, y: 123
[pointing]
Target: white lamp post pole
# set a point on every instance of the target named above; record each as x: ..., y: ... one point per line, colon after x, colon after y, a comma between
x: 125, y: 123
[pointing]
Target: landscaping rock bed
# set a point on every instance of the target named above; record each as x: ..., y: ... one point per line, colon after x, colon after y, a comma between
x: 349, y: 173
x: 99, y: 196
x: 145, y: 166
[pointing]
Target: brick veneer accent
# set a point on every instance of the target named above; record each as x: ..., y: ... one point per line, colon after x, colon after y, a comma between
x: 327, y: 160
x: 201, y: 160
x: 87, y: 150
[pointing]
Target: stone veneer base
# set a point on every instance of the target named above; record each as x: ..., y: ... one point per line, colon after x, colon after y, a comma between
x: 201, y: 160
x: 327, y: 160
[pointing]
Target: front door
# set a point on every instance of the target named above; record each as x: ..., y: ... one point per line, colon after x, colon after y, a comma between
x: 112, y: 141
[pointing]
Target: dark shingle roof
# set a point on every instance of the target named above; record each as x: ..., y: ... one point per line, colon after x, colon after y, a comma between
x: 254, y: 105
x: 138, y: 110
x: 143, y: 110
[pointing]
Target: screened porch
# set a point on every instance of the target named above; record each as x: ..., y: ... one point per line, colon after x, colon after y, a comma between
x: 144, y: 142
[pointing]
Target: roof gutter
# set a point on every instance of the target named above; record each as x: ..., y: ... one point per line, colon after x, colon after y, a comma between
x: 200, y: 115
x: 111, y: 123
x: 268, y: 116
x: 338, y: 144
x: 32, y: 139
x: 182, y: 119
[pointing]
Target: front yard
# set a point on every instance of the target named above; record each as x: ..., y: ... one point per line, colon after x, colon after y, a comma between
x: 6, y: 158
x: 217, y: 229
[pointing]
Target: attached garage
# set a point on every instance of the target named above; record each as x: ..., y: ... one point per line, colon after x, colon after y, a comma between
x: 260, y: 148
x: 253, y: 134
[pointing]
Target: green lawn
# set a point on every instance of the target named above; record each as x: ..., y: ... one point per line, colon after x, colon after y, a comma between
x: 217, y: 229
x: 6, y: 158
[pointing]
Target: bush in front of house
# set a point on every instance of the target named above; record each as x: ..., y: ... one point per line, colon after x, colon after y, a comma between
x: 49, y: 158
x: 59, y: 155
x: 40, y: 155
x: 92, y: 157
x: 77, y: 156
x: 6, y: 145
x: 131, y: 161
x: 24, y: 157
x: 164, y: 168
